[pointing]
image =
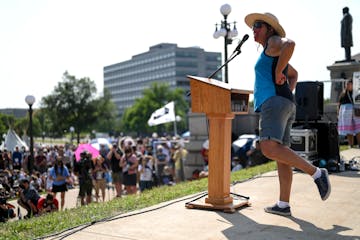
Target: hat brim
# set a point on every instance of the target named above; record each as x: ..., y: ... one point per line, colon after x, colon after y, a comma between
x: 251, y: 18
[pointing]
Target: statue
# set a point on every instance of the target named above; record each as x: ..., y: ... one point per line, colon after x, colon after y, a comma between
x: 346, y: 33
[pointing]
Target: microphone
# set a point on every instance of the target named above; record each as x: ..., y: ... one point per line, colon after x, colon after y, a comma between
x: 237, y: 49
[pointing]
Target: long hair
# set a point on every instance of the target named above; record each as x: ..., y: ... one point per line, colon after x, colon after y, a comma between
x: 59, y: 159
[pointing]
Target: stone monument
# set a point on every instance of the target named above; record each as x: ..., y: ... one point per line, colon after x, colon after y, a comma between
x: 343, y: 70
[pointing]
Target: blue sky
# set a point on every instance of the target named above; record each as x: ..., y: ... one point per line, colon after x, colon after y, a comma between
x: 41, y: 39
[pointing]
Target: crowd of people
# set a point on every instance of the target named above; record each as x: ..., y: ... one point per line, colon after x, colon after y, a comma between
x: 127, y: 166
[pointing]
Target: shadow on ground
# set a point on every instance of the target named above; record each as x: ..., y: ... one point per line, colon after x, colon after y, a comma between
x: 243, y: 227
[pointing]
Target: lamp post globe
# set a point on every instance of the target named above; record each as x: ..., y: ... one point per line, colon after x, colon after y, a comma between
x: 72, y: 129
x: 30, y: 100
x: 225, y: 9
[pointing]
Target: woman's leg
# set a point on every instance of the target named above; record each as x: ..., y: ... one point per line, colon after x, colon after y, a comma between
x: 285, y: 180
x: 62, y: 200
x: 350, y: 139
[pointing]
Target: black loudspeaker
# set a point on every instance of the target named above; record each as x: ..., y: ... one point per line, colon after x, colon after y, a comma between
x: 309, y: 97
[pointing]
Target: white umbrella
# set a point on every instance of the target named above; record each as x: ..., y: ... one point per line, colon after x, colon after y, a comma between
x: 206, y: 144
x: 100, y: 141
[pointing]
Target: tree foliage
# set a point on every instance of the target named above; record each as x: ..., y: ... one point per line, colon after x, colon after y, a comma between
x: 73, y: 103
x: 135, y: 118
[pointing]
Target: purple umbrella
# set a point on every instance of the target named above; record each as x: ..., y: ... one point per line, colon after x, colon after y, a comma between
x: 86, y: 147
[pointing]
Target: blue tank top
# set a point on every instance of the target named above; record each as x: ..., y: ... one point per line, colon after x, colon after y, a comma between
x: 265, y: 86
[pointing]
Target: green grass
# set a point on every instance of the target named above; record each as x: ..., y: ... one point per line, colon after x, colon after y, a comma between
x: 62, y: 220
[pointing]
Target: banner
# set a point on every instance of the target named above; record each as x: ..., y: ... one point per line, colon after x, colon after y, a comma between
x: 356, y: 87
x: 163, y: 115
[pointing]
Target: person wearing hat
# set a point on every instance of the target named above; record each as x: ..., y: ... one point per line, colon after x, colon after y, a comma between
x: 275, y: 79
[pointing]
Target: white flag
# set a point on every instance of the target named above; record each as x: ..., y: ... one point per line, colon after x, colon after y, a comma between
x: 163, y: 115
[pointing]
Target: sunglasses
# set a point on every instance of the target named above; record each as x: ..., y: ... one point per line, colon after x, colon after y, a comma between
x: 257, y: 25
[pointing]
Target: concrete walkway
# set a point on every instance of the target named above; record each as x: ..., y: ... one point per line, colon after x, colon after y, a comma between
x: 336, y: 218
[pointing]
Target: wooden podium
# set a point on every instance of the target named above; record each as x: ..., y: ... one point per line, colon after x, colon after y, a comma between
x: 220, y: 103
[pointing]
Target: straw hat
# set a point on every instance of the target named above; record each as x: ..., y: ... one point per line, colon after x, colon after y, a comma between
x: 269, y: 18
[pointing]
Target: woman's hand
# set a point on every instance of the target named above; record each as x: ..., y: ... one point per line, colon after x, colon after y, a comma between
x: 280, y: 78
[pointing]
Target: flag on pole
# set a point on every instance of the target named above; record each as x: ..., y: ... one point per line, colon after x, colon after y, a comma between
x: 163, y: 115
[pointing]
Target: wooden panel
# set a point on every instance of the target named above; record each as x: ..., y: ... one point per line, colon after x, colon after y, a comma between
x: 209, y: 98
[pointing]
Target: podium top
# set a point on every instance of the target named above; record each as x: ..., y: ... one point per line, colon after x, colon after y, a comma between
x: 220, y: 84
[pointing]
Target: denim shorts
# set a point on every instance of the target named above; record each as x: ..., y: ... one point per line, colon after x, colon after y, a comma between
x: 276, y: 118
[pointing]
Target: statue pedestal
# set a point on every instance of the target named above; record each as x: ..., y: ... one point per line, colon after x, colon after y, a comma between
x: 341, y: 70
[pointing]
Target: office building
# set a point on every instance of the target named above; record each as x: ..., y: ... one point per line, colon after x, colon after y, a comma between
x: 163, y: 63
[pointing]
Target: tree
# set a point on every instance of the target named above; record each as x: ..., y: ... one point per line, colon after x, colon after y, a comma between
x: 71, y: 104
x: 6, y: 121
x: 135, y: 118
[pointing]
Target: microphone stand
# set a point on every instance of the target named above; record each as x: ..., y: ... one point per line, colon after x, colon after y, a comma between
x: 233, y: 55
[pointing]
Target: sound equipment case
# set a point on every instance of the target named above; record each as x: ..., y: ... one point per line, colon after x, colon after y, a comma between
x: 304, y: 141
x: 327, y: 138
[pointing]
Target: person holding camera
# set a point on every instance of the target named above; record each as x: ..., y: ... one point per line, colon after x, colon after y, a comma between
x: 117, y: 176
x: 129, y: 163
x: 29, y: 198
x: 48, y: 204
x: 83, y: 170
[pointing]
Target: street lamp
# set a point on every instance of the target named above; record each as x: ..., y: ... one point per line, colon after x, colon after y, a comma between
x: 226, y: 32
x: 177, y: 119
x: 30, y: 100
x: 72, y: 129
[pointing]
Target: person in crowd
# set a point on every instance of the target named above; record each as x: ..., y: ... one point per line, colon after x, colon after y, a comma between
x: 2, y: 162
x: 68, y: 155
x: 51, y: 156
x: 60, y: 176
x: 49, y: 181
x: 28, y: 198
x: 160, y: 161
x: 7, y: 160
x: 48, y: 204
x: 17, y: 158
x: 98, y: 172
x: 6, y: 210
x: 166, y: 176
x: 146, y: 173
x: 129, y: 164
x: 83, y: 171
x: 179, y: 158
x: 255, y: 155
x: 171, y: 162
x: 348, y: 122
x: 25, y: 162
x: 104, y: 150
x: 116, y: 170
x: 205, y: 154
x: 275, y: 79
x: 40, y: 161
x: 140, y: 146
